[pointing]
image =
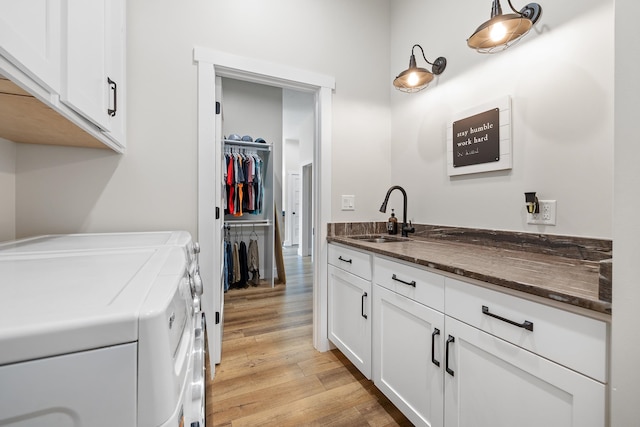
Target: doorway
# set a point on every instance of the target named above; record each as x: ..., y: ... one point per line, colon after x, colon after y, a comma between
x: 292, y: 212
x: 210, y: 64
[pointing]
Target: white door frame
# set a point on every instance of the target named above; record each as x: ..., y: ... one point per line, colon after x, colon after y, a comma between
x: 306, y: 229
x: 213, y: 63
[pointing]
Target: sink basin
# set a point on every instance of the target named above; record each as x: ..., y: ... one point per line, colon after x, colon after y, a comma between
x: 380, y: 239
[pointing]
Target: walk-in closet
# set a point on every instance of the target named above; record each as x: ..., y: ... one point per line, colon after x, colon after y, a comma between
x: 249, y: 228
x: 251, y: 125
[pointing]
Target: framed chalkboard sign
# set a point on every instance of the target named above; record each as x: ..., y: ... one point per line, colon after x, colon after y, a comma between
x: 476, y: 139
x: 479, y: 139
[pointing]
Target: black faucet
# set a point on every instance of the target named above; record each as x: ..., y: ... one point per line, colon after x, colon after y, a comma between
x: 406, y: 227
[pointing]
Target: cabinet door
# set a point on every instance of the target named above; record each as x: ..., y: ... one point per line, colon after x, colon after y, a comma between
x: 115, y: 30
x: 30, y: 38
x: 408, y: 356
x: 490, y: 382
x: 350, y: 317
x: 86, y: 88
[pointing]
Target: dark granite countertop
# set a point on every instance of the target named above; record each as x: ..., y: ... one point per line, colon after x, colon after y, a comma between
x: 553, y: 274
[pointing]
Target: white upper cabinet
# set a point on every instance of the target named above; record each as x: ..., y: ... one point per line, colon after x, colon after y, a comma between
x: 86, y: 87
x: 115, y: 28
x: 30, y: 37
x: 70, y: 56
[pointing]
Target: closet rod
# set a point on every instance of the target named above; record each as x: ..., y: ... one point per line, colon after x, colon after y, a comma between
x: 263, y: 222
x: 251, y: 145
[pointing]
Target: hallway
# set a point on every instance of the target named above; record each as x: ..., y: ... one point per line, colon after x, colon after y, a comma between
x: 270, y: 373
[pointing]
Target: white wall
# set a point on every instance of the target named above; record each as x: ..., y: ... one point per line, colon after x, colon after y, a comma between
x: 625, y: 354
x: 560, y: 80
x: 298, y: 117
x: 298, y: 122
x: 7, y: 190
x: 290, y: 166
x: 153, y: 185
x: 291, y: 158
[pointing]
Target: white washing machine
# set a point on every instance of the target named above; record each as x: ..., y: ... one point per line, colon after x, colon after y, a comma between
x: 100, y: 336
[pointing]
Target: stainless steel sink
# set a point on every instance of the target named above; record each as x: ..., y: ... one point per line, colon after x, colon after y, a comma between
x: 380, y: 239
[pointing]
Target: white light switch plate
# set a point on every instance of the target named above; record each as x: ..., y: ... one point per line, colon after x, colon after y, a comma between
x: 348, y: 202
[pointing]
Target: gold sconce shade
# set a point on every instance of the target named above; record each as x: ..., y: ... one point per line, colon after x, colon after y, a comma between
x: 502, y: 31
x: 414, y: 78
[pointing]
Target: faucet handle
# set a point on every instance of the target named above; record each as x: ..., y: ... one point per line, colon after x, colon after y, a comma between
x: 406, y: 229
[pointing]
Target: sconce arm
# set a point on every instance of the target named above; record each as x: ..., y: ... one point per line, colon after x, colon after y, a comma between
x: 437, y: 66
x: 531, y: 11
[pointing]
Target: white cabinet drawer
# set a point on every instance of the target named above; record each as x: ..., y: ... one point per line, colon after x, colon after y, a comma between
x: 355, y: 262
x: 572, y: 340
x: 420, y: 285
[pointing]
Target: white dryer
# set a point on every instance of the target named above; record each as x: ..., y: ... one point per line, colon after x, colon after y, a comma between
x: 54, y: 243
x: 100, y: 336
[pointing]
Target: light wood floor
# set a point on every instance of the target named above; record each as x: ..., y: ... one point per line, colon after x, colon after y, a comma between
x: 271, y: 375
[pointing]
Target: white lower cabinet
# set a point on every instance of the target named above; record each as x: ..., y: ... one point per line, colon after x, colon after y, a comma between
x: 408, y: 362
x: 488, y: 359
x: 350, y: 317
x: 490, y: 382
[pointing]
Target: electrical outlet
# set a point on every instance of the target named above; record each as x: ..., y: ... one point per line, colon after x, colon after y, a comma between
x: 547, y: 215
x: 348, y: 203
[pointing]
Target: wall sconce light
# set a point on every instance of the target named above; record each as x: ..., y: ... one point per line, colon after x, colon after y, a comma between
x: 532, y: 202
x: 414, y: 79
x: 502, y: 31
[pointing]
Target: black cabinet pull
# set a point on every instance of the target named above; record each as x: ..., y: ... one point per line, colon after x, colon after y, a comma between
x: 446, y: 357
x: 412, y: 283
x: 525, y: 325
x: 436, y: 331
x: 345, y: 260
x: 113, y: 86
x: 362, y: 305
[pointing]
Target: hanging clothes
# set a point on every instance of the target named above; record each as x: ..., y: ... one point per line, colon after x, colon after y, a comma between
x: 228, y: 260
x: 236, y: 264
x: 243, y: 181
x: 254, y: 262
x: 241, y: 262
x: 225, y: 267
x: 244, y: 271
x: 229, y: 185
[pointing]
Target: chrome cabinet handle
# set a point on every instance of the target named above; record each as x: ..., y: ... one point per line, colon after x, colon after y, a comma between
x: 436, y: 331
x: 345, y: 260
x: 411, y: 283
x: 524, y: 325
